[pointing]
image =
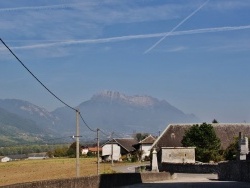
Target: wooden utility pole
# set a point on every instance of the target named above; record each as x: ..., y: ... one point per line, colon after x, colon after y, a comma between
x: 98, y: 154
x: 77, y: 145
x: 112, y: 150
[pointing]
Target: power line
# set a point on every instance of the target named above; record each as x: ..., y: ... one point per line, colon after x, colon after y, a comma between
x: 86, y: 123
x: 44, y: 85
x: 104, y: 132
x: 35, y: 76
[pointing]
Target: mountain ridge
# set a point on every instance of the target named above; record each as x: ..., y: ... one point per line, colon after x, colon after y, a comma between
x: 109, y: 110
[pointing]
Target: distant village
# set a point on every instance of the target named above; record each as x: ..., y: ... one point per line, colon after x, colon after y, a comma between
x: 168, y: 144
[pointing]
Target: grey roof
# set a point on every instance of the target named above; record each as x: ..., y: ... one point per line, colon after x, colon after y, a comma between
x: 18, y: 156
x: 148, y: 140
x: 173, y: 134
x: 126, y: 143
x: 43, y: 154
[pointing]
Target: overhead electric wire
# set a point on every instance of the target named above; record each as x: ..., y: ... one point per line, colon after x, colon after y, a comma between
x: 104, y: 132
x: 47, y: 88
x: 86, y: 123
x: 36, y: 77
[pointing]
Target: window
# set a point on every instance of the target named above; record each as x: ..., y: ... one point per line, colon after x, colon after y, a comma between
x: 172, y: 136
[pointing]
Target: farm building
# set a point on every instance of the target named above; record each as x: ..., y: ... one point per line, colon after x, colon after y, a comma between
x: 117, y: 148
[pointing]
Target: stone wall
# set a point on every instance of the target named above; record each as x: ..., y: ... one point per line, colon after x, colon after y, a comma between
x: 234, y: 171
x: 203, y: 168
x: 104, y: 180
x: 178, y: 154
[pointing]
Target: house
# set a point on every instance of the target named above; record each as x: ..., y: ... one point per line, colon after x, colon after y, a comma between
x: 94, y: 150
x: 4, y: 159
x: 18, y: 157
x: 84, y: 150
x: 117, y: 148
x: 145, y: 145
x: 42, y: 155
x: 226, y: 132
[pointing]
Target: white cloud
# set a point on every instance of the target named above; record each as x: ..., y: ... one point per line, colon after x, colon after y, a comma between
x: 224, y: 5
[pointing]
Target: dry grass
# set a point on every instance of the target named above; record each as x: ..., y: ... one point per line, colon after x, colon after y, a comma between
x: 35, y: 170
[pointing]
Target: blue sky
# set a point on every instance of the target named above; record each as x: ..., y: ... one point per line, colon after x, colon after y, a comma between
x: 78, y: 48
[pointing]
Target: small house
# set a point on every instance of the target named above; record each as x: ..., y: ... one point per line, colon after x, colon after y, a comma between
x: 145, y: 145
x: 18, y: 157
x: 84, y: 150
x: 94, y: 150
x: 118, y: 147
x: 37, y: 156
x: 4, y: 159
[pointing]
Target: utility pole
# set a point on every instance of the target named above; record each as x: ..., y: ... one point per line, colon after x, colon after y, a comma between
x: 77, y: 144
x: 112, y: 150
x: 98, y: 162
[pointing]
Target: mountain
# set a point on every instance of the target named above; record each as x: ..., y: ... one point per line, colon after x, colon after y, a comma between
x: 15, y: 129
x: 24, y: 123
x: 115, y: 111
x: 43, y: 118
x: 109, y: 111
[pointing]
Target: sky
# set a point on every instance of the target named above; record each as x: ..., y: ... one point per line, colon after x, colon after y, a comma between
x: 192, y: 53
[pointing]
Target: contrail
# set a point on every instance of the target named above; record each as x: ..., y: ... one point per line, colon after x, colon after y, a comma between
x: 134, y: 37
x: 49, y: 7
x: 169, y: 33
x: 34, y: 8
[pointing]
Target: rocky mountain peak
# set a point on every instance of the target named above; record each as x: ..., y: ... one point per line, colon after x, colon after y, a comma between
x: 134, y: 100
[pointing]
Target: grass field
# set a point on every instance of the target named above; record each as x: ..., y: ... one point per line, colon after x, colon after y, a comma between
x: 35, y: 170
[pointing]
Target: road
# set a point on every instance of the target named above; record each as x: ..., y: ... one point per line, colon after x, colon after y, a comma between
x: 184, y: 180
x: 126, y: 169
x: 193, y: 181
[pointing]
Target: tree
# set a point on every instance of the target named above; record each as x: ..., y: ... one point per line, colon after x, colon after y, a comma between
x: 72, y: 150
x: 231, y: 151
x: 215, y: 121
x: 141, y: 136
x: 207, y: 144
x: 60, y: 151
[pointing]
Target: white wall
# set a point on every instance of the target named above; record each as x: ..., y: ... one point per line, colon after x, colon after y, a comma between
x: 107, y: 148
x: 146, y: 150
x: 85, y: 151
x: 5, y: 159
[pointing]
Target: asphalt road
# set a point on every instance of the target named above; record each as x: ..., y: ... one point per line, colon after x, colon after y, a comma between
x: 125, y: 169
x: 193, y: 181
x: 184, y: 180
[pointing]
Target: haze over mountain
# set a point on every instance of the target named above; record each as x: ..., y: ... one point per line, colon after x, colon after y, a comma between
x: 110, y: 111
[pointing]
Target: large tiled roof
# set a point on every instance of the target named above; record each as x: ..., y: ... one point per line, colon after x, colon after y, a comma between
x: 173, y: 134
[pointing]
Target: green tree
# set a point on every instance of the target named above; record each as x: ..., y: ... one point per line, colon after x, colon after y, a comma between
x: 231, y: 151
x: 72, y: 150
x: 215, y: 121
x: 207, y: 144
x: 60, y: 151
x: 141, y: 136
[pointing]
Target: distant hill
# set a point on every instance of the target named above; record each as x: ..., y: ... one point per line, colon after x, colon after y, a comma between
x: 109, y: 111
x: 24, y: 123
x: 15, y: 130
x: 43, y: 118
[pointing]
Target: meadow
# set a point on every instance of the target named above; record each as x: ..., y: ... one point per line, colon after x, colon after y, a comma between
x: 57, y: 168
